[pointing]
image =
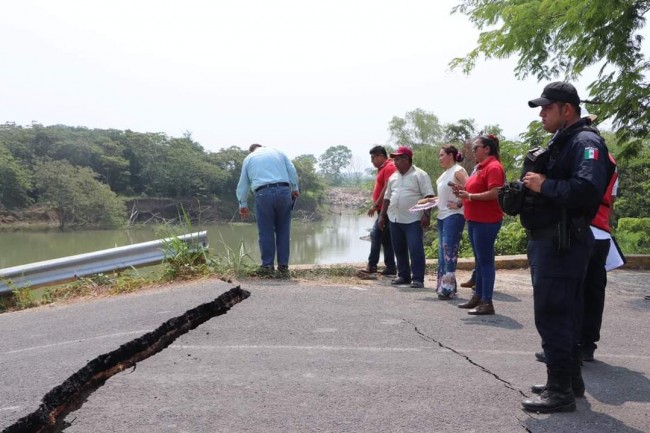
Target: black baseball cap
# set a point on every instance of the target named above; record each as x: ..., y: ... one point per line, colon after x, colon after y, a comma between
x: 558, y: 91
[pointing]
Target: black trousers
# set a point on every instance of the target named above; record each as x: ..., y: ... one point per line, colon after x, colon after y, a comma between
x: 557, y: 279
x: 594, y: 294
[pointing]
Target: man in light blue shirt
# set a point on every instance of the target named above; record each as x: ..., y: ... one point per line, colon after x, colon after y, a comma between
x: 273, y: 179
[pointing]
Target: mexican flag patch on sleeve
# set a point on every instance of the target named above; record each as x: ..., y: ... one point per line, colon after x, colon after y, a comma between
x: 591, y: 153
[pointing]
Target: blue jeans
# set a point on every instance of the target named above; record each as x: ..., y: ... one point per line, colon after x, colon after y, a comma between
x: 482, y: 236
x: 378, y: 239
x: 450, y: 230
x: 408, y: 240
x: 273, y: 212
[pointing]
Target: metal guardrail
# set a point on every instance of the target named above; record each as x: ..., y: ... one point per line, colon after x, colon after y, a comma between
x: 68, y: 268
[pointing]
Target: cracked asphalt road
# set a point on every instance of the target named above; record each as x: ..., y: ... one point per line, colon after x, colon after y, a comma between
x: 314, y: 357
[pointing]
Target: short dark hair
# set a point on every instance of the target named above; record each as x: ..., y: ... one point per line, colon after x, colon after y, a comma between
x: 379, y: 150
x: 253, y: 146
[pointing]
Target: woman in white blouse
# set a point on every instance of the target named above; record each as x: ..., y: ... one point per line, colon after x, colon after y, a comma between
x: 450, y: 219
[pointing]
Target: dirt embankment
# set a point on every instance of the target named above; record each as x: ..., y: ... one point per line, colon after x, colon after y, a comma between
x: 348, y: 198
x: 33, y: 216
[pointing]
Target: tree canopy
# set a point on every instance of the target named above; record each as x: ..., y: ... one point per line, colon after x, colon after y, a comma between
x: 37, y: 162
x: 416, y: 128
x: 333, y: 161
x: 560, y: 39
x: 77, y: 196
x: 15, y: 181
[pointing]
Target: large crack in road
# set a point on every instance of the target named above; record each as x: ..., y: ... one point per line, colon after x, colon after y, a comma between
x: 507, y: 384
x: 73, y: 392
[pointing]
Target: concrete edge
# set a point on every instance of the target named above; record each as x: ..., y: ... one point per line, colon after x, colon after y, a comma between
x: 519, y: 261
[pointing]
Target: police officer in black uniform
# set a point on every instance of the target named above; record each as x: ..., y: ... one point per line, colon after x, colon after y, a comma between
x: 564, y: 184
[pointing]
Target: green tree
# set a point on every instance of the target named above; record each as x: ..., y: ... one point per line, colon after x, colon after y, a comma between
x: 229, y: 161
x: 633, y: 198
x: 17, y: 140
x: 512, y: 155
x: 426, y: 158
x: 458, y: 133
x: 312, y: 188
x: 307, y: 176
x: 535, y: 136
x: 142, y: 151
x: 15, y: 181
x: 561, y: 39
x: 182, y: 170
x: 333, y: 161
x: 417, y: 128
x: 77, y: 196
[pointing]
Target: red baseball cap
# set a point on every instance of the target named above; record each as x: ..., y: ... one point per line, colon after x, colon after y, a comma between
x: 402, y: 150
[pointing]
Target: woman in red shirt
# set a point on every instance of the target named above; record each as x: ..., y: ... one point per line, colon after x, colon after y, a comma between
x: 484, y: 217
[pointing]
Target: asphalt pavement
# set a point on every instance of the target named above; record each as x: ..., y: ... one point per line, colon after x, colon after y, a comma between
x: 346, y: 356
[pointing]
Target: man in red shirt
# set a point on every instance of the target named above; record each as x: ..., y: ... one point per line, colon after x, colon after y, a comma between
x: 380, y: 238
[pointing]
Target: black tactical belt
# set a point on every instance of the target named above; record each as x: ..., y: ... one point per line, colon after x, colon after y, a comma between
x: 548, y: 232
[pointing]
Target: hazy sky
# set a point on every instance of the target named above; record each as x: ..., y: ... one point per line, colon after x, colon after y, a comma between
x: 298, y: 75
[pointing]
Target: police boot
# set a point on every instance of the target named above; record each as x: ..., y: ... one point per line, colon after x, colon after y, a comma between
x: 577, y: 384
x: 557, y: 395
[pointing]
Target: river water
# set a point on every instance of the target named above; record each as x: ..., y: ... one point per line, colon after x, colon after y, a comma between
x: 336, y: 239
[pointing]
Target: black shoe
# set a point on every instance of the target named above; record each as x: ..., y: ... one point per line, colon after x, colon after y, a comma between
x: 556, y: 397
x: 417, y: 285
x: 368, y: 270
x: 577, y: 392
x: 399, y: 281
x: 577, y: 383
x: 265, y: 271
x: 367, y: 273
x: 283, y: 271
x: 389, y: 272
x: 588, y: 354
x: 540, y: 356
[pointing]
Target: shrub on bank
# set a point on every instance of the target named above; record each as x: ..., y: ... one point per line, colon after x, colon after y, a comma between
x: 633, y: 235
x: 511, y: 240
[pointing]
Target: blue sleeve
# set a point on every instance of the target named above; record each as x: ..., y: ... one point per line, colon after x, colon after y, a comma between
x: 588, y: 182
x: 244, y: 185
x: 293, y: 174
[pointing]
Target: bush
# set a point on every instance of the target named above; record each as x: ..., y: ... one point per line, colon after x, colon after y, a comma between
x: 633, y: 235
x: 510, y: 240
